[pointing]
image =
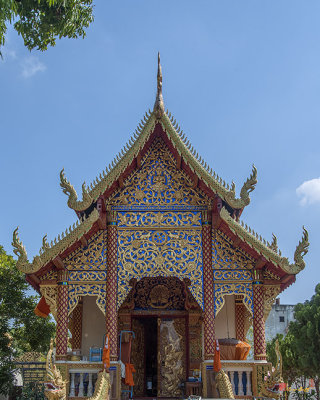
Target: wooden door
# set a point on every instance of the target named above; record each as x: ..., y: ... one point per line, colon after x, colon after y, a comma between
x: 171, y: 356
x: 137, y: 358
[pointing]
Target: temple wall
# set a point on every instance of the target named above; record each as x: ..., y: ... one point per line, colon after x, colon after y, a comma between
x: 93, y: 325
x: 225, y: 325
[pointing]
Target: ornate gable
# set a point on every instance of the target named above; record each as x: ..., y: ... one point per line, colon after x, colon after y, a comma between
x: 158, y: 184
x: 159, y: 223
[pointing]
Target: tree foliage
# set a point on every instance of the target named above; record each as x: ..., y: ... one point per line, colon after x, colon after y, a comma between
x: 32, y: 391
x: 300, y: 348
x: 41, y: 22
x: 20, y: 329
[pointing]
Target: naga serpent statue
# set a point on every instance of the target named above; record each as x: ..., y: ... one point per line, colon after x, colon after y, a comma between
x: 224, y: 385
x: 270, y: 386
x: 56, y: 387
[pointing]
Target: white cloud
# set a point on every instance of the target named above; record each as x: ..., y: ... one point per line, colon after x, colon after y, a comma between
x: 309, y: 192
x: 31, y: 66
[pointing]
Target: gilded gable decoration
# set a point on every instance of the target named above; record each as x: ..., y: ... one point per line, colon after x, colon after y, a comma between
x: 233, y: 275
x: 51, y: 275
x: 87, y: 276
x: 158, y: 183
x: 88, y: 272
x: 157, y: 219
x: 225, y: 256
x: 91, y: 257
x: 231, y: 271
x: 160, y: 251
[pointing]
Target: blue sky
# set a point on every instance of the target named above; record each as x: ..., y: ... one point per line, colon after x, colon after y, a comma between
x: 241, y: 78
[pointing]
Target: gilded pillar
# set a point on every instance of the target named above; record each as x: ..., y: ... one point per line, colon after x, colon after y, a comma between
x: 111, y: 289
x: 240, y: 315
x: 76, y: 328
x: 62, y: 316
x: 259, y: 341
x: 208, y: 293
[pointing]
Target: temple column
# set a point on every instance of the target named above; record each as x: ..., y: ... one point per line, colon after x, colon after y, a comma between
x: 62, y: 316
x: 240, y: 313
x: 259, y: 341
x: 76, y: 329
x: 208, y: 294
x: 111, y: 289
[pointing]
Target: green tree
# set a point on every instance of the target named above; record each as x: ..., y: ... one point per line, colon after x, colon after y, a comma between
x: 306, y: 330
x: 41, y: 22
x: 300, y: 348
x: 20, y: 329
x: 32, y: 391
x: 292, y: 374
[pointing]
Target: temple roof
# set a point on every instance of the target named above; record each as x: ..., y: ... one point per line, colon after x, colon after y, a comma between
x: 92, y: 213
x: 179, y: 141
x: 268, y: 250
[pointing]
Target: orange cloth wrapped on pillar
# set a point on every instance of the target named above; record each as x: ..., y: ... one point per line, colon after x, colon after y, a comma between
x: 233, y: 349
x: 106, y: 354
x: 42, y: 309
x: 128, y: 380
x: 242, y: 350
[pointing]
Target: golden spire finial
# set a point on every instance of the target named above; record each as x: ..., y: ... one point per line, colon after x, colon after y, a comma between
x: 159, y: 105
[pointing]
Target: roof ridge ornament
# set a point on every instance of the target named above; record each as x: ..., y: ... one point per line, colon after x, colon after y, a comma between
x: 70, y: 191
x: 158, y: 108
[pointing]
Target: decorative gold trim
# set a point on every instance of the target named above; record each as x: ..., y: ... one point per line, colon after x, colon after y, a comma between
x: 223, y: 289
x: 253, y: 240
x: 56, y: 247
x: 183, y: 147
x: 77, y: 291
x: 151, y: 228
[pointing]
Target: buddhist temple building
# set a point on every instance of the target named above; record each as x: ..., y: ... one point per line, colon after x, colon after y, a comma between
x: 160, y: 260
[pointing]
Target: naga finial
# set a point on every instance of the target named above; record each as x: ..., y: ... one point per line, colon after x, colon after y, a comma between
x: 249, y: 186
x: 159, y: 104
x: 19, y: 250
x: 301, y: 250
x: 70, y: 191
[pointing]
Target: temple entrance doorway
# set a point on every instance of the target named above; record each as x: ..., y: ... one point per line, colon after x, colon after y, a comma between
x: 144, y: 356
x: 165, y: 319
x: 159, y: 354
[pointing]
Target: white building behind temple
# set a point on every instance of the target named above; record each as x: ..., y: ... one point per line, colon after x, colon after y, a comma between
x: 279, y: 319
